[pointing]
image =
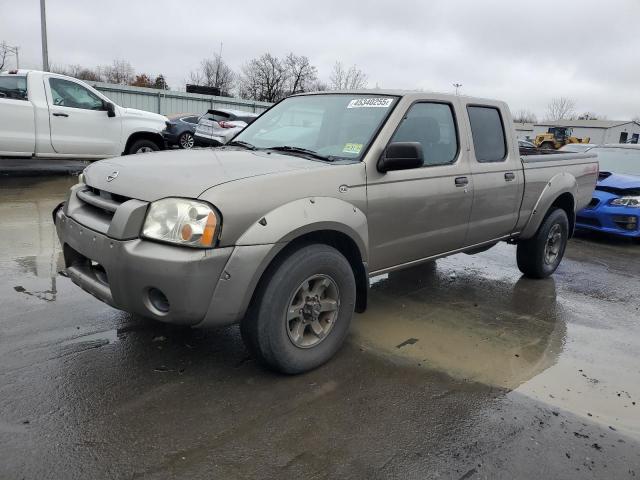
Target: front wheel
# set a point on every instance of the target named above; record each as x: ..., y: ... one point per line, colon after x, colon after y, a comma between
x: 539, y: 256
x: 302, y: 310
x: 143, y: 146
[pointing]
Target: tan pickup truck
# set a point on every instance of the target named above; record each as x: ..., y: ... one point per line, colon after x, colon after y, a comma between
x: 282, y: 228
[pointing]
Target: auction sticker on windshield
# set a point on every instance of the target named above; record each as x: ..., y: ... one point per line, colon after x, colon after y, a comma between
x: 352, y: 148
x: 380, y: 102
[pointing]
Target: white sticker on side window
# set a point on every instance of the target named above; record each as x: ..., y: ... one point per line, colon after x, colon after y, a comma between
x: 380, y: 102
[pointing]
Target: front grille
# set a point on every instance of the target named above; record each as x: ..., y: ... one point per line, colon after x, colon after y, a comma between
x: 593, y: 203
x: 594, y: 222
x: 103, y: 202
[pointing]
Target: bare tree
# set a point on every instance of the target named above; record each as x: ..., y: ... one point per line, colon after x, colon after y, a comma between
x: 301, y: 73
x: 264, y: 78
x: 79, y: 72
x: 214, y: 72
x: 4, y: 53
x: 319, y: 86
x: 560, y: 108
x: 120, y: 72
x: 347, y: 79
x: 525, y: 116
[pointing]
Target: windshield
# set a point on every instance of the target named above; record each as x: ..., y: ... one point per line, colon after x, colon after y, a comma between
x: 618, y: 160
x: 332, y: 125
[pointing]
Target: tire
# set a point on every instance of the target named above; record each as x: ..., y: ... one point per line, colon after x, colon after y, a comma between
x: 547, y: 146
x: 186, y: 141
x: 143, y: 146
x: 539, y: 256
x: 282, y: 337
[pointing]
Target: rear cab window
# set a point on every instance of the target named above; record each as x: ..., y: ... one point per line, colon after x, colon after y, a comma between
x: 487, y: 130
x: 13, y: 87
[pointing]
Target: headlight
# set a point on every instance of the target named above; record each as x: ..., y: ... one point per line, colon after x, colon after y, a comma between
x: 183, y: 222
x: 633, y: 202
x: 81, y: 176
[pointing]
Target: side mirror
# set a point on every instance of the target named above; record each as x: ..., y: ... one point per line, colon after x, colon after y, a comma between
x: 110, y: 108
x: 401, y: 156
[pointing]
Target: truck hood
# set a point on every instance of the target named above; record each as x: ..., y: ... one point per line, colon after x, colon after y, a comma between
x: 134, y: 112
x: 186, y: 173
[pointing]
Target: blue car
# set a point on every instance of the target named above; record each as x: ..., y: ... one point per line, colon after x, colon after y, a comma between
x: 615, y: 206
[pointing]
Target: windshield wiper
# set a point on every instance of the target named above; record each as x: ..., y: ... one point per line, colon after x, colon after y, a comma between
x: 304, y: 151
x: 240, y: 143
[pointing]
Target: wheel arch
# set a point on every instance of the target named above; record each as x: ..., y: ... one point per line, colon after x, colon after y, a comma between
x: 144, y: 135
x: 560, y: 192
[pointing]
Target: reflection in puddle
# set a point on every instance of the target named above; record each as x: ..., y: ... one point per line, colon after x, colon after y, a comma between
x: 27, y: 234
x: 491, y: 331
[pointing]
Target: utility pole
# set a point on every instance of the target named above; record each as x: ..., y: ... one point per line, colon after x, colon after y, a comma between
x: 13, y: 50
x: 43, y: 28
x: 457, y: 85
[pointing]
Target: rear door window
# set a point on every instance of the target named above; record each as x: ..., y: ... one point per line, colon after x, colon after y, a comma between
x: 13, y: 87
x: 487, y: 131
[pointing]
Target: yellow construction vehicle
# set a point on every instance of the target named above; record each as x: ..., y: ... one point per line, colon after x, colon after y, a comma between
x: 557, y: 137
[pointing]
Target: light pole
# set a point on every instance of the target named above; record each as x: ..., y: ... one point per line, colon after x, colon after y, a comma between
x: 43, y: 28
x: 457, y: 85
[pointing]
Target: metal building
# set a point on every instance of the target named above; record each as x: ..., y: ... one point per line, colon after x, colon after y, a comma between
x: 599, y: 131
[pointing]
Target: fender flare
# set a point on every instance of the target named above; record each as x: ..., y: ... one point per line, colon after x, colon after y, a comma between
x: 559, y: 184
x: 307, y: 215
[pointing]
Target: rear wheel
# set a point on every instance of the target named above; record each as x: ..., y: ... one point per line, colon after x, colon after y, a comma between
x: 143, y: 146
x: 539, y: 256
x: 547, y: 146
x: 302, y: 310
x: 186, y: 140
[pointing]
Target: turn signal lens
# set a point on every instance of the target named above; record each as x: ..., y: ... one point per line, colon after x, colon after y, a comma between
x: 209, y: 231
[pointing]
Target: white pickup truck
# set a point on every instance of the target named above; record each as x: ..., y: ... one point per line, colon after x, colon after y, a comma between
x: 48, y: 115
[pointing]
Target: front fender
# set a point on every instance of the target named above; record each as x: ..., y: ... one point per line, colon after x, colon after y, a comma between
x: 260, y: 243
x: 307, y: 215
x: 559, y: 184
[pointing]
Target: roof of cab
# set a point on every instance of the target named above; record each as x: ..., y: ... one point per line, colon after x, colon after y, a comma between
x: 413, y: 94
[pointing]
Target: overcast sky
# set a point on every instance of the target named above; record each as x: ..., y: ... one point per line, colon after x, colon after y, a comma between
x: 524, y: 52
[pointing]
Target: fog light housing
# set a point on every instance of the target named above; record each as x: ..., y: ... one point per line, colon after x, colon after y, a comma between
x: 158, y: 301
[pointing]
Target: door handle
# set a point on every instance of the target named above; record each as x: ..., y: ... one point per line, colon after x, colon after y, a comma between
x: 60, y: 115
x: 509, y: 176
x: 462, y: 181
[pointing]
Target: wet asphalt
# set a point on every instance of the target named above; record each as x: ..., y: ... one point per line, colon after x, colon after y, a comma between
x: 460, y: 369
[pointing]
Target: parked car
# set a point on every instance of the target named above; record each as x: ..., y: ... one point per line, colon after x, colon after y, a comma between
x: 577, y: 147
x: 48, y: 115
x: 282, y: 228
x: 180, y: 130
x: 527, y: 148
x: 615, y: 206
x: 217, y: 127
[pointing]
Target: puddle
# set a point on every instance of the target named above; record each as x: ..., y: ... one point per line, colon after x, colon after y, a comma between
x: 554, y: 340
x: 29, y: 247
x: 498, y: 333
